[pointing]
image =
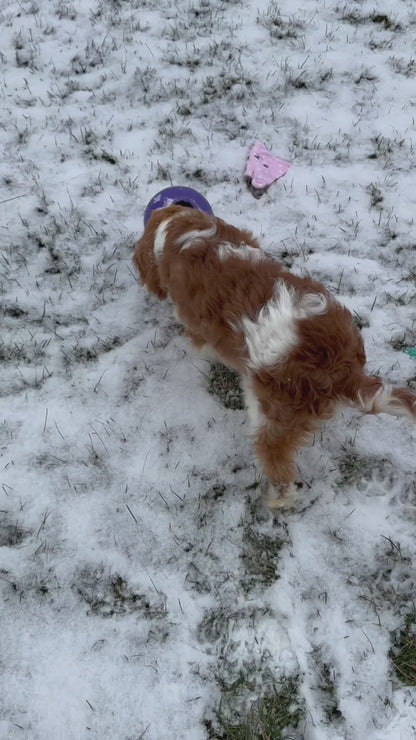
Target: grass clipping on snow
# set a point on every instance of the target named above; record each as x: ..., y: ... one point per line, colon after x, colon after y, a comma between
x: 145, y: 593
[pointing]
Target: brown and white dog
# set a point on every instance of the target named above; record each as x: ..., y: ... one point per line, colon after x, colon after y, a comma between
x: 296, y: 349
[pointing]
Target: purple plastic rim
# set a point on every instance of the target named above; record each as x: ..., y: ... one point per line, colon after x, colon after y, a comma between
x: 177, y: 195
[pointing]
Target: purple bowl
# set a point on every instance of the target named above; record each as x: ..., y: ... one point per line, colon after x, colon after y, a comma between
x: 177, y: 196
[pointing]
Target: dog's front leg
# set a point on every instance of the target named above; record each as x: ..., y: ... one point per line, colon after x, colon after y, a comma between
x: 276, y: 452
x: 276, y: 444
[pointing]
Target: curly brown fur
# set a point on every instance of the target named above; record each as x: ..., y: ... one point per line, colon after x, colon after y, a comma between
x: 295, y: 347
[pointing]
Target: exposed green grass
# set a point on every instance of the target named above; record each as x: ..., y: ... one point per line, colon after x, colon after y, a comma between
x: 260, y: 556
x: 110, y: 594
x: 278, y: 26
x: 381, y: 20
x: 403, y: 652
x: 273, y: 716
x: 224, y: 384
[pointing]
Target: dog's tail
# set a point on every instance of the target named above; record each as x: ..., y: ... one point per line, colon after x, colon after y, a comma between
x: 376, y: 397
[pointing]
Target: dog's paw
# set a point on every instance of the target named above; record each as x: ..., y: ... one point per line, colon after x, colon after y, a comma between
x: 208, y: 353
x: 282, y: 496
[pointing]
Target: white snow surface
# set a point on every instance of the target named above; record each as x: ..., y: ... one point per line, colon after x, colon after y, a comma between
x: 132, y: 592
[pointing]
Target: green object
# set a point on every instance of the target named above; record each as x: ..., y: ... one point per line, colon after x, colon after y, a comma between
x: 411, y: 351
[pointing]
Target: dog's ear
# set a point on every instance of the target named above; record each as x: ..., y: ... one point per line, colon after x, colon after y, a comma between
x: 376, y: 397
x: 145, y: 263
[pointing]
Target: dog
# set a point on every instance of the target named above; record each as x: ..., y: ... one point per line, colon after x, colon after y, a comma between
x: 295, y: 347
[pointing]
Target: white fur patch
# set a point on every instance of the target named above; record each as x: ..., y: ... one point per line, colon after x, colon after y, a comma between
x: 191, y: 238
x: 244, y: 251
x: 273, y: 334
x: 256, y: 417
x: 160, y: 237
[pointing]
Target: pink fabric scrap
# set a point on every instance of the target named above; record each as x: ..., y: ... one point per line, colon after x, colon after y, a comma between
x: 263, y: 168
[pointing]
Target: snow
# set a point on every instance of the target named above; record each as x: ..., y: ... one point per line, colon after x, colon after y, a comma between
x: 133, y: 591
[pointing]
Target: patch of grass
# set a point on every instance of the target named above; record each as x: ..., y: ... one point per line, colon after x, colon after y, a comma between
x: 133, y: 378
x: 384, y: 147
x: 216, y: 623
x: 404, y: 299
x: 197, y: 580
x: 304, y: 78
x: 376, y: 196
x: 270, y: 717
x: 225, y: 384
x: 14, y: 311
x: 260, y: 556
x: 217, y: 491
x: 199, y: 174
x: 205, y: 178
x: 23, y: 354
x: 378, y: 43
x: 172, y: 128
x: 287, y: 258
x: 12, y: 535
x: 26, y: 51
x: 404, y: 341
x: 326, y: 686
x: 391, y: 583
x: 170, y: 434
x: 278, y: 26
x: 110, y: 594
x: 403, y: 652
x: 385, y: 21
x: 94, y: 56
x: 382, y: 20
x: 191, y: 58
x: 65, y: 9
x: 365, y: 75
x: 92, y: 148
x: 235, y: 86
x: 198, y: 21
x: 359, y: 321
x: 91, y: 353
x: 402, y: 67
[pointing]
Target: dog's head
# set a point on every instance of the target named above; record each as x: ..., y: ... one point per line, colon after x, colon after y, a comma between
x: 145, y: 257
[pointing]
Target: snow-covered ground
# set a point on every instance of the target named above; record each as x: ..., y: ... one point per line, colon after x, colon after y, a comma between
x: 144, y: 590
